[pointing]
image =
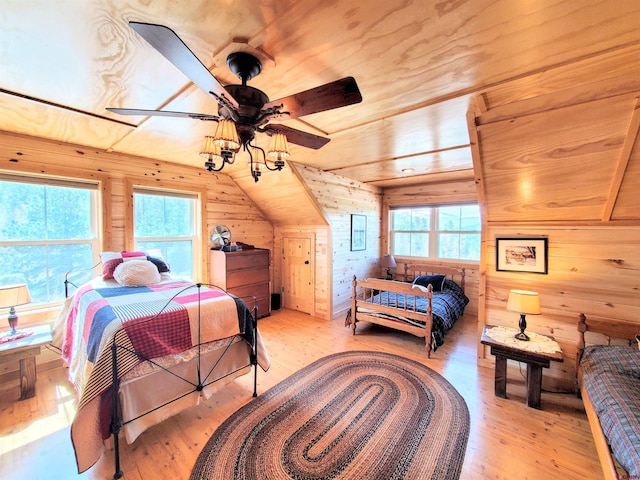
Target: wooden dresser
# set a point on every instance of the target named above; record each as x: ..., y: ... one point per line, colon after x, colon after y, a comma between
x: 245, y: 274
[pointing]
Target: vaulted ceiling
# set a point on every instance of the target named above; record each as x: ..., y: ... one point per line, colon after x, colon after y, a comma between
x: 419, y: 66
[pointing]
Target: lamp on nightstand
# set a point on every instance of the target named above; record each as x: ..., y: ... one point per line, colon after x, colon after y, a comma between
x: 523, y: 302
x: 387, y: 261
x: 11, y: 296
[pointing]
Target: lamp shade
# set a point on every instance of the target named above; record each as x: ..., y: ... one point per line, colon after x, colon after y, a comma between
x: 210, y: 148
x: 279, y: 148
x: 13, y: 295
x: 387, y: 261
x: 226, y: 136
x: 524, y: 301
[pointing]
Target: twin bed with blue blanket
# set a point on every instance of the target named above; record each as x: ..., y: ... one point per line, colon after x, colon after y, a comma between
x: 609, y: 382
x: 426, y: 302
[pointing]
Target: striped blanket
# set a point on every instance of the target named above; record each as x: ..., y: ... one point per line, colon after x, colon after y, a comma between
x: 146, y: 323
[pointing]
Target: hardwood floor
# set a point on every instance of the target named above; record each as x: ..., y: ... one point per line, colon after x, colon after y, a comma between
x: 508, y: 440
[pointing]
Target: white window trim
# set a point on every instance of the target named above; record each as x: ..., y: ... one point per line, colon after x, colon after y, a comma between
x: 199, y: 241
x: 433, y: 232
x: 34, y: 311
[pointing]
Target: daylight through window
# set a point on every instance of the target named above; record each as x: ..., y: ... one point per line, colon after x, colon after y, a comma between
x: 167, y: 221
x: 444, y: 231
x: 48, y: 227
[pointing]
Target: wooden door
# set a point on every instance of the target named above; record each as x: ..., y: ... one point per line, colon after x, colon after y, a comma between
x: 297, y: 274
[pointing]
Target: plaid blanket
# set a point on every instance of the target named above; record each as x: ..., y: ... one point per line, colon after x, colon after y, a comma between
x: 447, y: 306
x: 146, y: 323
x: 611, y: 377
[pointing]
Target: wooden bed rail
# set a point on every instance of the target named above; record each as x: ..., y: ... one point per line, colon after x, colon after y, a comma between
x: 611, y: 329
x: 369, y: 302
x: 371, y: 286
x: 413, y: 270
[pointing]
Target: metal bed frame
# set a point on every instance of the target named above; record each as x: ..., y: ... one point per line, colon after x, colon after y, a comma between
x: 116, y: 423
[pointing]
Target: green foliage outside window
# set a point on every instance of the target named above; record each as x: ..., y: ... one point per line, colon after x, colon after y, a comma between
x: 45, y: 231
x: 450, y: 232
x: 167, y: 223
x: 162, y: 216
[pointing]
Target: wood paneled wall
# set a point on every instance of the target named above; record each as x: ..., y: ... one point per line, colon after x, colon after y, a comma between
x: 592, y: 270
x: 339, y: 197
x: 560, y: 159
x: 225, y: 203
x: 281, y: 195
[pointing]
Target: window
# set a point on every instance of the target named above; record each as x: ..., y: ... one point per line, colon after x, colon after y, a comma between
x: 48, y: 227
x: 168, y: 221
x: 445, y: 231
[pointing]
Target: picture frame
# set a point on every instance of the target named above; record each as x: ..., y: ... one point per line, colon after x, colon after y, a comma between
x: 521, y: 254
x: 358, y: 232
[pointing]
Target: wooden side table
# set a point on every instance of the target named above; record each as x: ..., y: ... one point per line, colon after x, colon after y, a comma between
x: 25, y: 350
x: 516, y: 350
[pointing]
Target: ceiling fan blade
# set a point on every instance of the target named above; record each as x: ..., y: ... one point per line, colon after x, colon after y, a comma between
x: 332, y: 95
x: 167, y: 42
x: 163, y: 113
x: 298, y: 137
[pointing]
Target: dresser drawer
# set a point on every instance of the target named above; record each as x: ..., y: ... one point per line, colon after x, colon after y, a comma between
x: 261, y: 294
x: 246, y: 277
x: 246, y: 292
x: 244, y: 274
x: 260, y: 259
x: 264, y: 305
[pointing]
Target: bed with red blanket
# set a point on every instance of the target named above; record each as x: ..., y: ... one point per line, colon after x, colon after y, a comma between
x: 165, y: 346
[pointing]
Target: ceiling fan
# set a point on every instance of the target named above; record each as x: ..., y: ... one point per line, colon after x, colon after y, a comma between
x: 242, y: 108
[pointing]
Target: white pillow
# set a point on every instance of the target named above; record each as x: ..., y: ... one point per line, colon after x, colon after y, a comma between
x: 136, y: 273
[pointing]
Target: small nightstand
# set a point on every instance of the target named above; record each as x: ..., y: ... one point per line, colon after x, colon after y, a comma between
x: 25, y: 350
x: 521, y: 351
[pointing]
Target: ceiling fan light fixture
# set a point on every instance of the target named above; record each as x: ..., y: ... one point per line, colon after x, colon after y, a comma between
x: 210, y: 149
x: 226, y: 136
x: 255, y: 165
x: 256, y: 153
x: 279, y: 148
x: 213, y: 153
x: 249, y: 106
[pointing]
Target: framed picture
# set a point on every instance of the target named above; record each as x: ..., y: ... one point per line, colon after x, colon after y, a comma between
x: 358, y: 232
x: 521, y: 255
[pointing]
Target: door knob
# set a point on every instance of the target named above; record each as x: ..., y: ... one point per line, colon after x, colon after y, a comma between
x: 306, y: 262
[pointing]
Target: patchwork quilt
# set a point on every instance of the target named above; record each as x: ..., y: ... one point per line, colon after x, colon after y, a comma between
x: 147, y: 322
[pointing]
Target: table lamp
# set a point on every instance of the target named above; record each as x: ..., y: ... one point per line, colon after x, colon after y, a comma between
x: 523, y: 302
x: 11, y: 296
x: 387, y: 261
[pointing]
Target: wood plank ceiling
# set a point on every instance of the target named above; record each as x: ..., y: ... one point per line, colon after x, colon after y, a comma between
x: 418, y: 65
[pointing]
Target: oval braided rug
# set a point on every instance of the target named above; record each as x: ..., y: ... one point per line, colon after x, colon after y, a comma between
x: 358, y: 415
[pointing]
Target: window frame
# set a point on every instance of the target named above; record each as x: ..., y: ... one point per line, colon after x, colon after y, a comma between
x: 433, y: 232
x: 101, y: 214
x: 199, y: 240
